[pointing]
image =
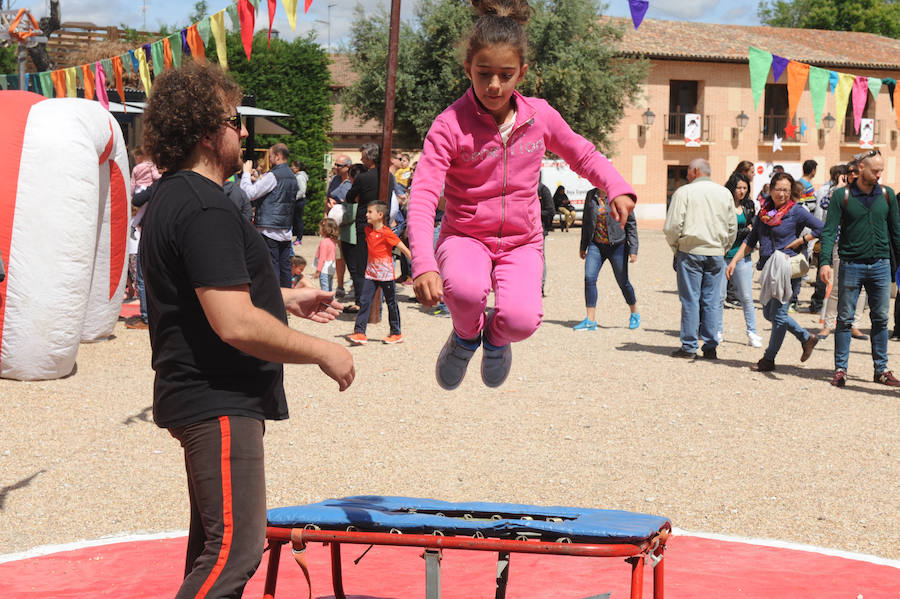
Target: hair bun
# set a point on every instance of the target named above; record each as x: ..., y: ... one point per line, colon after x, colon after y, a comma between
x: 517, y: 10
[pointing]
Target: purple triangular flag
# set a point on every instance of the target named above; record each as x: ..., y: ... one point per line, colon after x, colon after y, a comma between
x: 147, y: 52
x: 638, y: 10
x: 779, y: 64
x: 185, y: 47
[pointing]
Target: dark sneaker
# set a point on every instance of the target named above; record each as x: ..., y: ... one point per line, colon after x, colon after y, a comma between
x: 840, y: 378
x: 680, y: 353
x: 763, y: 366
x: 808, y: 347
x: 710, y: 354
x: 135, y: 322
x: 887, y: 378
x: 452, y: 363
x: 495, y: 365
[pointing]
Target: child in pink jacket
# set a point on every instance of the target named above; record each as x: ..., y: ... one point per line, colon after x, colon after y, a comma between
x: 485, y: 152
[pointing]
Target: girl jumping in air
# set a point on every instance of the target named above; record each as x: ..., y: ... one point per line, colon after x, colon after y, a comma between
x: 485, y: 152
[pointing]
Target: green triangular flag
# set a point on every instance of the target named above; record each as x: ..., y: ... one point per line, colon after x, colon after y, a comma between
x: 175, y: 47
x: 106, y: 63
x: 46, y: 78
x: 255, y: 4
x: 874, y: 85
x: 760, y: 63
x: 158, y: 56
x: 818, y: 89
x: 203, y: 29
x: 4, y: 82
x: 232, y: 11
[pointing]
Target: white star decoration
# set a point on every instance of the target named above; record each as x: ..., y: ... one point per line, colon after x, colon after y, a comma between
x: 776, y: 143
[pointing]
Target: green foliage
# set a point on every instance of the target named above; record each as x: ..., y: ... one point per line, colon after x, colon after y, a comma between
x: 200, y: 10
x: 881, y: 17
x: 290, y: 77
x: 8, y: 62
x: 572, y: 65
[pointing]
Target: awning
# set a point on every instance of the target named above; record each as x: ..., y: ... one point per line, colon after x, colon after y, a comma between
x: 263, y: 125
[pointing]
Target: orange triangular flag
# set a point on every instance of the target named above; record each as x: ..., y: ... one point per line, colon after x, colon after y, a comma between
x: 88, y: 81
x: 797, y: 73
x: 196, y: 43
x: 59, y: 83
x: 167, y: 53
x: 120, y: 85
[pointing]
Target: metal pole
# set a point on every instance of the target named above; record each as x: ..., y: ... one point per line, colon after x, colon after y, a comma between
x: 21, y: 60
x: 393, y: 43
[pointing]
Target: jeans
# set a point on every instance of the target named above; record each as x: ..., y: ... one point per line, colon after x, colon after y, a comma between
x: 597, y: 254
x: 743, y: 285
x: 142, y: 294
x: 876, y: 279
x: 777, y: 313
x: 700, y: 292
x: 325, y: 281
x: 281, y: 260
x: 224, y: 459
x: 365, y: 305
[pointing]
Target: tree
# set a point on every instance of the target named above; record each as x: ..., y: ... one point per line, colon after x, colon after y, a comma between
x: 572, y: 64
x: 200, y: 11
x: 290, y: 77
x: 881, y: 17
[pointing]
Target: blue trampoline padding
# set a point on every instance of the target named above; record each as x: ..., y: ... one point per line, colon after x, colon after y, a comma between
x: 373, y: 513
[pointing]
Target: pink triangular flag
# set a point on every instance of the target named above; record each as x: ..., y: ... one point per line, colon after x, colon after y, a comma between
x: 100, y: 84
x: 859, y: 94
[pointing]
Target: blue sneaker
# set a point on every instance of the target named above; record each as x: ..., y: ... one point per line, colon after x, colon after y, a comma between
x: 586, y: 325
x: 635, y: 321
x: 495, y: 364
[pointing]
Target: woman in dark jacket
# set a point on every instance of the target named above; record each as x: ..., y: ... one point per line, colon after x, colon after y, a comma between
x: 564, y: 206
x: 744, y: 210
x: 602, y: 238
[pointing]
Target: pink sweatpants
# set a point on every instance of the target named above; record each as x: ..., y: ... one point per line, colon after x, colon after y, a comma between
x: 470, y: 270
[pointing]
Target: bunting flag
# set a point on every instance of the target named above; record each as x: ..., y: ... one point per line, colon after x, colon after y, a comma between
x: 271, y: 20
x: 144, y: 72
x: 135, y: 65
x: 874, y: 87
x: 175, y: 47
x: 890, y: 84
x: 59, y: 83
x: 860, y: 94
x: 776, y: 143
x: 760, y: 62
x: 46, y: 78
x: 203, y: 28
x: 803, y: 127
x: 290, y: 7
x: 157, y: 56
x: 638, y: 9
x: 778, y: 66
x: 185, y: 47
x: 120, y: 84
x: 248, y: 18
x: 193, y: 39
x: 255, y: 4
x: 108, y: 65
x: 232, y: 10
x: 148, y: 56
x: 100, y: 83
x: 71, y: 83
x: 167, y: 52
x: 126, y: 64
x: 841, y: 97
x: 306, y: 6
x: 88, y: 77
x: 832, y: 80
x: 217, y: 25
x: 4, y: 82
x: 818, y: 88
x: 797, y: 74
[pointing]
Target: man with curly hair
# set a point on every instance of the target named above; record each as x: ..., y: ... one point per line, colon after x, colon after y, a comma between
x: 218, y: 325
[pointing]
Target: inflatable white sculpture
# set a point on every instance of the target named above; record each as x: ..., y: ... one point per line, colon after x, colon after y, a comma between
x: 64, y: 209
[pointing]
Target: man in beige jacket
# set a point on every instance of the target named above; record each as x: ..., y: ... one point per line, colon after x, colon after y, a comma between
x: 700, y: 227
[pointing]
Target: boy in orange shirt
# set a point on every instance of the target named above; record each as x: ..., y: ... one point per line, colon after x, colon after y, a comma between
x: 380, y: 241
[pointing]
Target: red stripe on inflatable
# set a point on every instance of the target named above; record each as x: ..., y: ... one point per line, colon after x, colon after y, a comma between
x: 14, y: 109
x: 109, y: 146
x: 118, y: 225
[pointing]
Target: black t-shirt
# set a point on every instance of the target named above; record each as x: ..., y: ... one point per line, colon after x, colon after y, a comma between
x: 193, y: 236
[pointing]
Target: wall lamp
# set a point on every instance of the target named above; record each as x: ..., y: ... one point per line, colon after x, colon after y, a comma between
x: 828, y: 124
x: 647, y: 119
x: 741, y: 121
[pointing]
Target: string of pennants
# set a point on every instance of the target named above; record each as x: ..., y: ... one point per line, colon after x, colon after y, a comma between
x: 157, y: 56
x: 844, y: 86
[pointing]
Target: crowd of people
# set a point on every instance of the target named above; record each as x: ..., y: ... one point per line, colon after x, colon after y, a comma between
x: 849, y: 228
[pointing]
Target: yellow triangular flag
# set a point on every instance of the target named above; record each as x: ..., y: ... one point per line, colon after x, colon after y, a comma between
x: 290, y: 7
x: 217, y: 24
x: 71, y: 82
x: 842, y: 96
x: 143, y: 69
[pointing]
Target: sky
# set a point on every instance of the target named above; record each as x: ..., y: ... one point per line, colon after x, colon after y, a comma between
x: 154, y: 13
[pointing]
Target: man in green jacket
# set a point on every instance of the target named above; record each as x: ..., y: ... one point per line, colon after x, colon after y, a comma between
x: 866, y: 214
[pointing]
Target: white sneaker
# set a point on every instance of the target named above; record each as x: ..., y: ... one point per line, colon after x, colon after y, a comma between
x: 755, y: 340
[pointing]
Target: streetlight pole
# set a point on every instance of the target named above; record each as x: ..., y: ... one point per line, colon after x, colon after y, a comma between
x: 328, y: 22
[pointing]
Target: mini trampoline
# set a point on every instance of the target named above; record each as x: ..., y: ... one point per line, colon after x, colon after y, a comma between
x: 435, y: 525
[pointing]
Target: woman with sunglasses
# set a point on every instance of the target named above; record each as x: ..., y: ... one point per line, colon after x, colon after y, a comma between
x: 778, y: 227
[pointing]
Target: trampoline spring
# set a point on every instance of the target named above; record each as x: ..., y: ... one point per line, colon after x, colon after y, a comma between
x: 311, y: 527
x: 521, y: 538
x: 496, y: 517
x: 554, y: 519
x: 438, y: 533
x: 478, y: 535
x: 467, y: 516
x: 526, y: 518
x: 563, y: 540
x: 395, y: 531
x: 440, y: 514
x: 352, y: 528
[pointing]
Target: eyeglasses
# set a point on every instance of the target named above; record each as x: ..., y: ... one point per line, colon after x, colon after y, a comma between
x: 779, y: 190
x: 869, y: 154
x: 235, y: 122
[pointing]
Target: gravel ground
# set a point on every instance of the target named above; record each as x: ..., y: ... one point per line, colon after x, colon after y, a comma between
x: 597, y: 419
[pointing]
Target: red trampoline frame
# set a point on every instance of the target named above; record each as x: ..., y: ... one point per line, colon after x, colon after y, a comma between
x: 635, y: 553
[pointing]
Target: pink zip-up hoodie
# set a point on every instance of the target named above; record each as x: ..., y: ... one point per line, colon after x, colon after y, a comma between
x: 491, y: 187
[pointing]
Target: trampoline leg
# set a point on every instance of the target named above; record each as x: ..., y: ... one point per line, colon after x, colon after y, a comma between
x: 637, y: 576
x: 658, y: 579
x: 272, y: 570
x: 502, y: 574
x: 337, y: 579
x: 432, y: 574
